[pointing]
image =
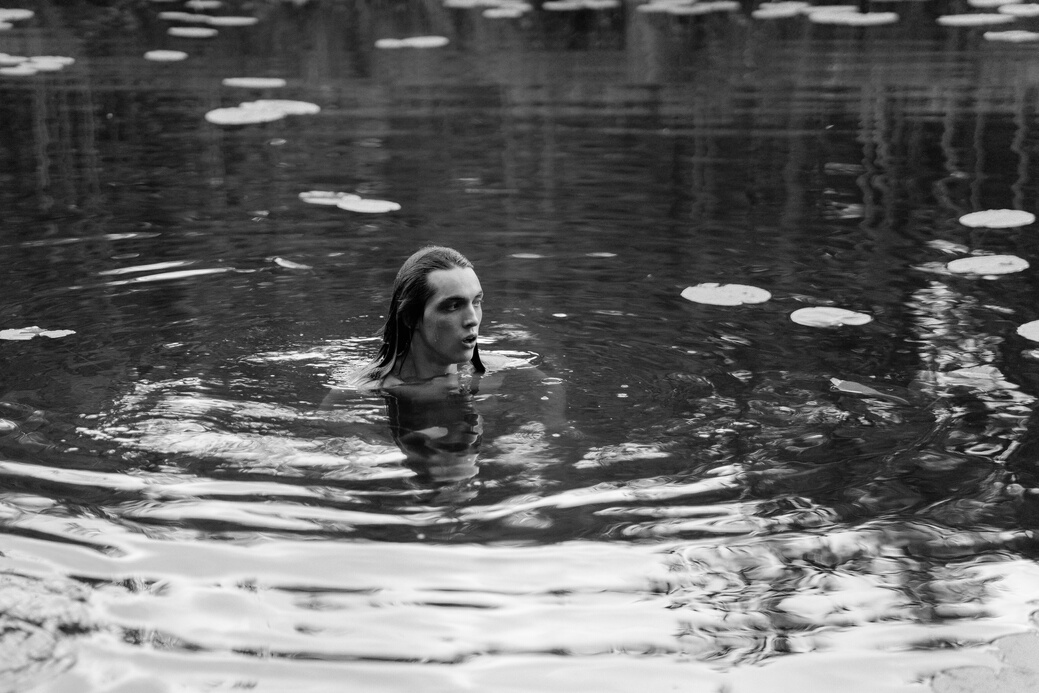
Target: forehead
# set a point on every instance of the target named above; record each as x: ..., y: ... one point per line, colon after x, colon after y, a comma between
x: 457, y: 281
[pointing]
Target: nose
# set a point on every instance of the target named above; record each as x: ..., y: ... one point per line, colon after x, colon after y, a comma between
x: 472, y: 316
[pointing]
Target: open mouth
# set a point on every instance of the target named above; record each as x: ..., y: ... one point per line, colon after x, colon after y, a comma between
x: 470, y: 341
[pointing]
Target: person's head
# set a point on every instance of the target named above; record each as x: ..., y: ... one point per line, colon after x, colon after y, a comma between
x: 434, y: 315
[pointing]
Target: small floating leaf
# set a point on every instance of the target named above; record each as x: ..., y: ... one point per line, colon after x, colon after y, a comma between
x: 988, y: 264
x: 25, y: 333
x: 973, y: 19
x: 324, y: 197
x: 254, y: 82
x: 947, y: 246
x: 192, y: 31
x: 161, y: 56
x: 716, y: 294
x: 358, y: 204
x: 289, y: 264
x: 997, y: 219
x: 827, y: 316
x: 1030, y: 330
x: 853, y: 388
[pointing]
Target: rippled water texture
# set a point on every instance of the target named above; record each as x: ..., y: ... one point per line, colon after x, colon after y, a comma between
x: 646, y: 493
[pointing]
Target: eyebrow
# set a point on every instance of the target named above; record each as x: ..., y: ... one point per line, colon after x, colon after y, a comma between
x: 458, y: 297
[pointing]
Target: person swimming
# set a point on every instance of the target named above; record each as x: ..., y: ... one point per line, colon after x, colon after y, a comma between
x: 430, y: 371
x: 433, y: 323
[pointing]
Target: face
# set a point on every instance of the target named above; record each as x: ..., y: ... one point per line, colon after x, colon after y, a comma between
x: 446, y: 335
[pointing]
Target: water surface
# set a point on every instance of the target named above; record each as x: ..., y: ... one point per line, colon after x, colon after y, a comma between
x: 649, y: 492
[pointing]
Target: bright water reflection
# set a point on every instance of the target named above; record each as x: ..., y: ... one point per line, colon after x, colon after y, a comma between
x: 648, y: 492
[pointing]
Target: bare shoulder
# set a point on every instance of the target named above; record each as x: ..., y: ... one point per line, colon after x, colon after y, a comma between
x: 495, y: 361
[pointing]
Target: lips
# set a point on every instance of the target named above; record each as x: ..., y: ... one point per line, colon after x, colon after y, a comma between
x: 470, y: 341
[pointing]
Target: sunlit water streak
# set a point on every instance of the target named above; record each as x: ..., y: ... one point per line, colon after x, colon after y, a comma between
x: 183, y: 509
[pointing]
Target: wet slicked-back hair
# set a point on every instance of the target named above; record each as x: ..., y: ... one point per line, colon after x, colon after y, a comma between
x: 411, y: 292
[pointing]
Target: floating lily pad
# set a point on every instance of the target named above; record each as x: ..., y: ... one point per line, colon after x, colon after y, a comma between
x: 845, y: 18
x: 812, y: 9
x: 504, y: 13
x: 237, y: 115
x: 324, y: 197
x: 15, y: 14
x: 413, y: 42
x: 1016, y: 36
x: 997, y: 219
x: 702, y: 7
x: 827, y: 316
x: 23, y: 70
x: 778, y: 10
x: 186, y: 17
x: 192, y: 31
x: 162, y: 56
x: 49, y: 63
x: 254, y: 82
x: 715, y: 294
x: 363, y: 206
x: 230, y: 21
x: 1029, y: 10
x: 24, y: 333
x: 983, y: 378
x: 980, y: 19
x: 1030, y: 330
x: 988, y: 264
x: 286, y: 106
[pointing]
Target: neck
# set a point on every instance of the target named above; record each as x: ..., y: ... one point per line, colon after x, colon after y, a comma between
x: 417, y: 368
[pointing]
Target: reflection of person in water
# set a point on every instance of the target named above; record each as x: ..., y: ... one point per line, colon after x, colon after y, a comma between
x: 441, y: 442
x: 431, y: 372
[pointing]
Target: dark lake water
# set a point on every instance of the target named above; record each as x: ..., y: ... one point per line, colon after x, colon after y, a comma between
x: 656, y: 494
